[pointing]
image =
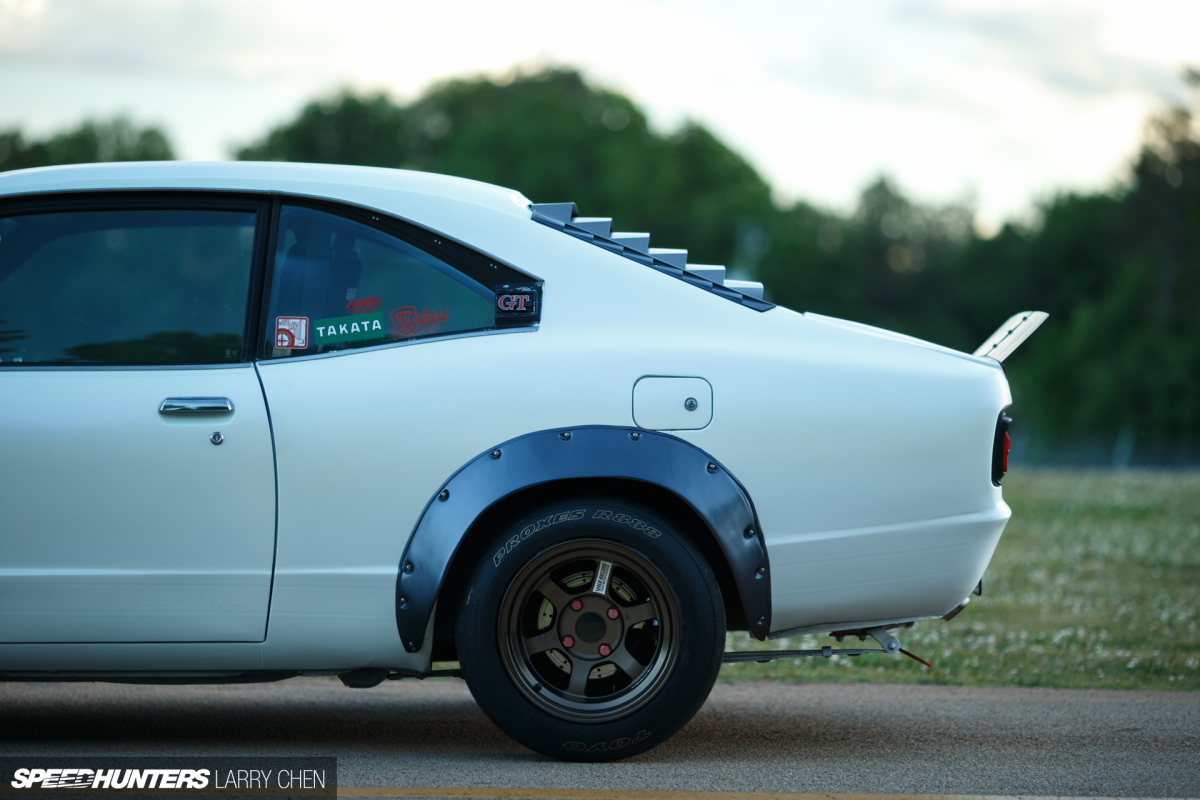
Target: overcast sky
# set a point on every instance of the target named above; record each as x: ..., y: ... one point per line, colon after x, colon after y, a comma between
x: 999, y: 103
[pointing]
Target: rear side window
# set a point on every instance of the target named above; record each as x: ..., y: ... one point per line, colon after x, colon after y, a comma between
x: 340, y: 284
x: 134, y: 286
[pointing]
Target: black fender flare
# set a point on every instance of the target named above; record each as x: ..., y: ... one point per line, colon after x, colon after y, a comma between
x: 585, y: 452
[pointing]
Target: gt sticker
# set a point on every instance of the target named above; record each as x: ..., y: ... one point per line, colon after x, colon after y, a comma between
x: 408, y: 321
x: 517, y: 305
x: 534, y: 527
x: 291, y: 333
x: 601, y: 584
x: 515, y: 302
x: 357, y: 328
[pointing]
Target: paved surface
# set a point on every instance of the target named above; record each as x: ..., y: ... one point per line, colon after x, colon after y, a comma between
x: 749, y: 737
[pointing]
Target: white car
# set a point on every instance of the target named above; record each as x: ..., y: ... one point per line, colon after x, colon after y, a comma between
x: 268, y: 420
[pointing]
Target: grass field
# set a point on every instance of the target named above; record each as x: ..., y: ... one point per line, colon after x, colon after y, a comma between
x: 1095, y: 583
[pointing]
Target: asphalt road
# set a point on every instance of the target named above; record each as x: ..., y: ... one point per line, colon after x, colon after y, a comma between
x: 749, y: 737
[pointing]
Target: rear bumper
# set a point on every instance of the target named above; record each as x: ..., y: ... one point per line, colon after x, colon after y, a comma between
x: 872, y: 576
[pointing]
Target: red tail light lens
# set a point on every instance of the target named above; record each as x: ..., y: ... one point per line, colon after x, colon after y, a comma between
x: 1000, y: 449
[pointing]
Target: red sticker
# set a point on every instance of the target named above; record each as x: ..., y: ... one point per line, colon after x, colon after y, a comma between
x: 367, y: 305
x: 291, y: 333
x: 409, y: 321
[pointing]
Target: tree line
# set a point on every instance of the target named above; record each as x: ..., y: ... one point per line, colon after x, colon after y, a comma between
x: 1118, y: 270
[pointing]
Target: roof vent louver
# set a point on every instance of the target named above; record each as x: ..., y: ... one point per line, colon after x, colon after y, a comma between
x: 634, y: 241
x: 636, y: 246
x: 676, y: 258
x: 600, y: 226
x: 711, y: 272
x: 560, y: 213
x: 752, y: 288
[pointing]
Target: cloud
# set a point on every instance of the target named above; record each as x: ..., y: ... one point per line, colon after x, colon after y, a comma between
x: 1005, y: 99
x: 1059, y: 46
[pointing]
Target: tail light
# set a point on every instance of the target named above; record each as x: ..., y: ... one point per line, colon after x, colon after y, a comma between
x: 1000, y: 449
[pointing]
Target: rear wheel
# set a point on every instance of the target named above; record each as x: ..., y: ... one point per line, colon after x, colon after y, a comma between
x: 593, y: 630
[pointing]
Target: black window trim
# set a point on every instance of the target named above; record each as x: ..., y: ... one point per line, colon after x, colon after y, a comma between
x: 150, y: 199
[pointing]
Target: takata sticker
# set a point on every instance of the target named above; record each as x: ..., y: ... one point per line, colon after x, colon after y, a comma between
x: 359, y: 328
x: 409, y: 322
x: 291, y: 333
x: 367, y: 305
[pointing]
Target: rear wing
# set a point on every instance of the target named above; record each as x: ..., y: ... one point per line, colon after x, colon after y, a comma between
x: 1009, y: 336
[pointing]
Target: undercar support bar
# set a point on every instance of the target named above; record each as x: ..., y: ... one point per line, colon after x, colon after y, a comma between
x: 889, y: 643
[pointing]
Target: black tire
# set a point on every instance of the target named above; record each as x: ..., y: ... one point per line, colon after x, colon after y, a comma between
x: 532, y: 631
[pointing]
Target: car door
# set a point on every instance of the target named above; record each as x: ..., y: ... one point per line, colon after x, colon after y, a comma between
x: 137, y: 483
x: 358, y: 451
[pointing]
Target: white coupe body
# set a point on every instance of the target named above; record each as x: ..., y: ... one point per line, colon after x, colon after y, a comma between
x: 131, y: 545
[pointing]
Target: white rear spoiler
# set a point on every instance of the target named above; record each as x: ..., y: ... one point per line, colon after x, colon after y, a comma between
x: 1009, y: 336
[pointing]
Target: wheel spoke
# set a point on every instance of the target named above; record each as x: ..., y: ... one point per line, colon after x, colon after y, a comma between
x: 627, y: 663
x: 643, y: 613
x: 554, y: 593
x: 579, y: 676
x: 546, y: 640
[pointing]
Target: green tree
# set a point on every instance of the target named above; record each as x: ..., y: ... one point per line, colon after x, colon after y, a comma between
x: 552, y: 137
x: 117, y: 139
x: 1123, y: 273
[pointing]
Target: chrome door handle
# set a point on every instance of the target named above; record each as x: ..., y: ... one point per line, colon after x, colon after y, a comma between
x: 196, y: 405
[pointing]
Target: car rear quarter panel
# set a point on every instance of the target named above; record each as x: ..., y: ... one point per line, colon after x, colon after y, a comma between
x: 867, y: 454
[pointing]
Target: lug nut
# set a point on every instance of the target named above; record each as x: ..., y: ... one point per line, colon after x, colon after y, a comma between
x: 576, y: 605
x: 613, y: 613
x: 605, y: 650
x: 568, y: 641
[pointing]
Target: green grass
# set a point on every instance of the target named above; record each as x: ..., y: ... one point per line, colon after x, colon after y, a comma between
x: 1095, y: 584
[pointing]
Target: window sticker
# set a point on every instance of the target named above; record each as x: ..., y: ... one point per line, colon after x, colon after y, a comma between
x: 515, y: 302
x: 291, y: 333
x: 409, y: 322
x: 367, y: 305
x: 517, y: 305
x: 355, y: 328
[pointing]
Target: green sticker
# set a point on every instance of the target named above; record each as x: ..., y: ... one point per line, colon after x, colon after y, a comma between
x: 357, y: 328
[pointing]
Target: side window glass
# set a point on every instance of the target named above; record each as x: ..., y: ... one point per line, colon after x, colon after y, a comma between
x: 138, y: 286
x: 339, y: 284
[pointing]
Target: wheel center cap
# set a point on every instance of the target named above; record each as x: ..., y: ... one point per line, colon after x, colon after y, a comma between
x: 590, y: 627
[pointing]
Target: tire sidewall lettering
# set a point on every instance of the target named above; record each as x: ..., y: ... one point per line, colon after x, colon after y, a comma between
x: 626, y: 519
x: 601, y: 747
x: 573, y: 515
x: 537, y: 525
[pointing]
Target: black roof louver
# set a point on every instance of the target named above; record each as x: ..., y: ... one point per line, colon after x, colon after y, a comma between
x: 636, y: 246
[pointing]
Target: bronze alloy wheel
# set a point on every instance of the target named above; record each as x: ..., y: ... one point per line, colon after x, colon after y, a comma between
x: 588, y: 631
